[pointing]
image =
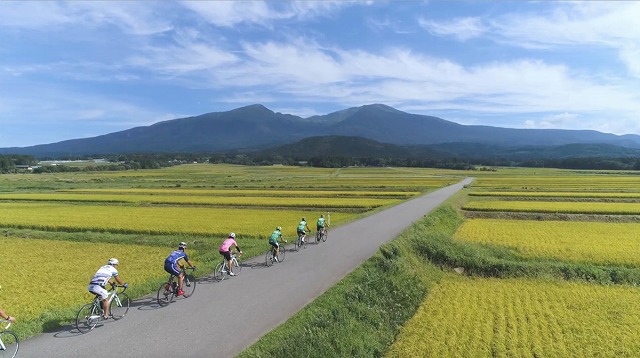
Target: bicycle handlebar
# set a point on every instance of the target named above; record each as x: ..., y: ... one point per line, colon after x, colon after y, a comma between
x: 114, y: 286
x: 8, y: 323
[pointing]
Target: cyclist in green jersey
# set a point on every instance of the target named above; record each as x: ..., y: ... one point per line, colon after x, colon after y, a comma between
x: 274, y: 241
x: 322, y: 224
x: 301, y: 228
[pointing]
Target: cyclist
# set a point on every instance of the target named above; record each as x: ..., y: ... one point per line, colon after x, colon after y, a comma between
x: 301, y: 226
x: 225, y: 250
x: 322, y: 225
x: 100, y: 280
x: 273, y: 241
x: 173, y: 267
x: 3, y: 315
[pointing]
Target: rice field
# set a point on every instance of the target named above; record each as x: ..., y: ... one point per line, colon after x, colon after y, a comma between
x: 562, y: 207
x: 156, y: 220
x: 48, y: 275
x: 475, y: 317
x: 603, y: 243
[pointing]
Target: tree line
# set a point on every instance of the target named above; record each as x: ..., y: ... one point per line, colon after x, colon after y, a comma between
x: 14, y: 163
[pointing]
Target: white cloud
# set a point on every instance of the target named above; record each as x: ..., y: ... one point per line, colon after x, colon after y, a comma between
x: 460, y: 28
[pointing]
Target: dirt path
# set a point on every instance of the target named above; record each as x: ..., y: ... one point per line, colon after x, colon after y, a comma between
x: 221, y: 319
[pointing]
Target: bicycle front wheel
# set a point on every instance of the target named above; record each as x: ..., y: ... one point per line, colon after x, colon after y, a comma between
x: 236, y: 266
x: 165, y: 294
x: 219, y: 273
x: 189, y: 284
x: 119, y: 305
x: 87, y: 318
x: 281, y: 254
x: 9, y: 343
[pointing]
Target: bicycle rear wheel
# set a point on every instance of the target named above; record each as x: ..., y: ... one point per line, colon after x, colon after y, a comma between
x: 10, y: 344
x: 237, y: 268
x: 219, y: 274
x: 119, y: 305
x: 188, y: 284
x: 318, y: 236
x: 87, y: 317
x: 165, y: 294
x: 268, y: 259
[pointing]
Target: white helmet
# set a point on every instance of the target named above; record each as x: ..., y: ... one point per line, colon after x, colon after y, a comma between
x: 182, y: 246
x: 113, y: 261
x: 232, y: 235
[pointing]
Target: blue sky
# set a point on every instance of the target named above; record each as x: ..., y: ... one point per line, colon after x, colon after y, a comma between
x: 81, y: 69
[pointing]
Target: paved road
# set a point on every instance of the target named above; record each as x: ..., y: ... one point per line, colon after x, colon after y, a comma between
x: 222, y: 318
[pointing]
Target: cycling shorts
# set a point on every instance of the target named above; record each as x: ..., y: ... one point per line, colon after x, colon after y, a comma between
x: 274, y: 244
x: 226, y: 254
x: 98, y: 290
x: 301, y: 232
x: 171, y: 269
x: 319, y: 228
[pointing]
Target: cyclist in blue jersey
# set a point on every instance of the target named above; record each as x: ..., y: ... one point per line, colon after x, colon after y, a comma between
x: 173, y: 267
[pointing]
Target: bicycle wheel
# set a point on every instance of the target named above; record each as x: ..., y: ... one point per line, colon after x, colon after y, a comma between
x: 324, y: 236
x: 236, y: 266
x: 119, y: 305
x: 165, y: 294
x: 9, y: 344
x: 281, y: 254
x: 268, y: 260
x: 318, y: 236
x: 219, y: 273
x: 87, y: 317
x: 298, y: 245
x: 189, y: 284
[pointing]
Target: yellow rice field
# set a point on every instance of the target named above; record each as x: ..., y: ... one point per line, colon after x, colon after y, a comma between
x: 155, y: 220
x: 555, y: 207
x: 592, y: 242
x: 559, y: 194
x: 475, y: 317
x: 43, y: 275
x: 260, y: 201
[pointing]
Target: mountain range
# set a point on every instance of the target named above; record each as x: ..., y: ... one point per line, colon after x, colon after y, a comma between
x: 256, y: 127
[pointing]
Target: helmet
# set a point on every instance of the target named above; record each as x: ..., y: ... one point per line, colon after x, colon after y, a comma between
x: 232, y: 235
x: 182, y: 246
x: 321, y: 215
x: 303, y: 219
x: 113, y: 261
x: 278, y: 228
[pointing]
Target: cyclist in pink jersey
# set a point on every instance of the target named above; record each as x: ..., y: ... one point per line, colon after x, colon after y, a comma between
x: 225, y: 250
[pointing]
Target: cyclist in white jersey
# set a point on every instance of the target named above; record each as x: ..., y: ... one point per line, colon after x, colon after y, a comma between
x: 102, y: 277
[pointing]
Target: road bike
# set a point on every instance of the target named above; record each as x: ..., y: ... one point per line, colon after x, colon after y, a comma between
x: 169, y: 290
x: 222, y: 271
x: 90, y: 314
x: 9, y: 342
x: 301, y: 243
x: 321, y: 235
x: 270, y: 255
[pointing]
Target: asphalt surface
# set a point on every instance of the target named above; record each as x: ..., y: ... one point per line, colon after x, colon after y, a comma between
x: 223, y: 318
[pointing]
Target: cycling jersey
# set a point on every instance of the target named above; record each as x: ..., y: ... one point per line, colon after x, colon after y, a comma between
x: 103, y: 275
x: 320, y: 223
x: 302, y: 225
x: 275, y: 236
x: 175, y: 256
x: 226, y: 245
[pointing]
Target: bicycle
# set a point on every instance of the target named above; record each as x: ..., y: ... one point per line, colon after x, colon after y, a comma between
x: 301, y: 243
x: 321, y: 235
x: 90, y: 314
x: 169, y: 290
x: 222, y: 271
x: 9, y: 342
x: 269, y: 257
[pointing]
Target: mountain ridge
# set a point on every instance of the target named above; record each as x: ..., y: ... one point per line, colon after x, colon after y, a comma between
x: 256, y: 127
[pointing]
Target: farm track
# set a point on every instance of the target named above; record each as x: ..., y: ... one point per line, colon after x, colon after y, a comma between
x: 222, y: 318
